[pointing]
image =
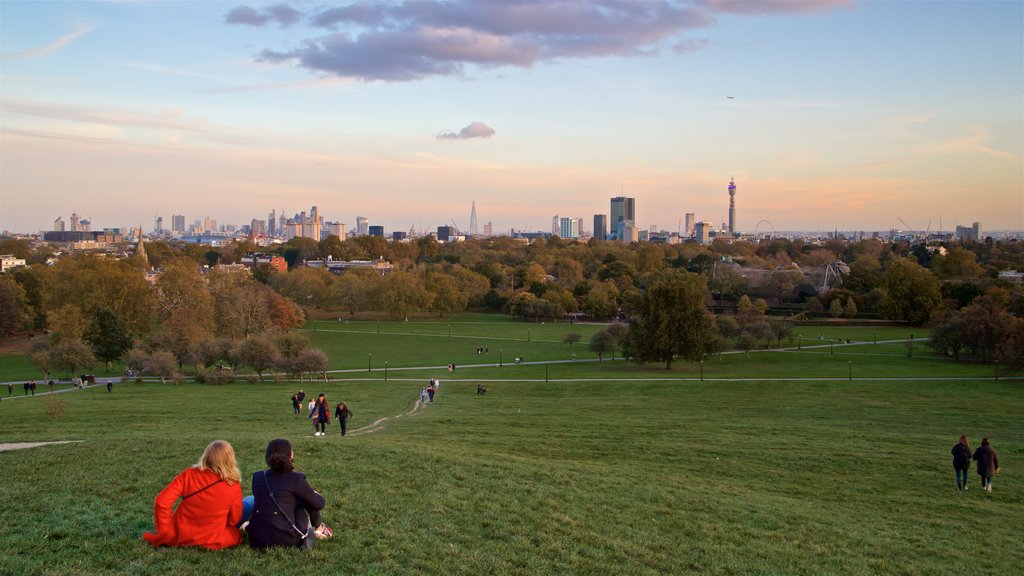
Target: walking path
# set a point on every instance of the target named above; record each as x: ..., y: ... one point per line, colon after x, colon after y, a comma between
x: 21, y: 445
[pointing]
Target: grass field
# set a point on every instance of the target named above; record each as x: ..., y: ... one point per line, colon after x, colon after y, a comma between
x: 604, y: 469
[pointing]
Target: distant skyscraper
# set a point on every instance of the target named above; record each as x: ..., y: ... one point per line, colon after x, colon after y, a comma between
x: 74, y: 222
x: 976, y: 231
x: 556, y: 226
x: 488, y: 229
x: 622, y: 208
x: 159, y: 224
x: 702, y: 231
x: 600, y: 226
x: 732, y: 207
x: 376, y: 231
x: 58, y: 224
x: 445, y: 233
x: 568, y: 228
x: 209, y: 224
x: 272, y: 224
x: 178, y: 223
x: 472, y: 221
x: 362, y: 225
x: 690, y: 221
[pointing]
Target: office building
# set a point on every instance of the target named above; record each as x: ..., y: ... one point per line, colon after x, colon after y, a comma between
x: 362, y: 226
x: 376, y: 231
x: 601, y: 226
x: 178, y: 223
x: 335, y: 229
x: 690, y: 220
x: 702, y: 232
x: 58, y: 224
x: 569, y: 228
x: 622, y: 208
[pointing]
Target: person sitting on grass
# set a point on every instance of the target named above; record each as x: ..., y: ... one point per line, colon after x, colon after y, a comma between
x: 286, y: 509
x: 211, y: 503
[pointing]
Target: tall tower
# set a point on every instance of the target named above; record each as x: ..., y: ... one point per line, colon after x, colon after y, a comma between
x: 622, y: 209
x: 732, y: 207
x: 473, y: 231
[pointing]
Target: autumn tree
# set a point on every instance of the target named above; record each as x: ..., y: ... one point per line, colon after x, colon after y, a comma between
x: 71, y: 354
x: 12, y: 306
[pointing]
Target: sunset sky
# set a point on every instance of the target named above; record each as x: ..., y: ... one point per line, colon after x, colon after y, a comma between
x: 829, y: 115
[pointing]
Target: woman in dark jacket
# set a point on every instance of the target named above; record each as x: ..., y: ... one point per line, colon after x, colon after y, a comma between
x: 342, y: 413
x: 988, y: 464
x: 321, y: 414
x: 286, y: 506
x: 961, y: 462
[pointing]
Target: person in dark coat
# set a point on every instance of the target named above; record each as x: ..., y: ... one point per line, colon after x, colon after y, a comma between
x: 961, y: 461
x: 342, y: 413
x: 321, y: 415
x: 295, y: 403
x: 297, y: 508
x: 988, y: 464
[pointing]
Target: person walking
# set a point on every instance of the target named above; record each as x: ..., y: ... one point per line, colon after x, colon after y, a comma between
x: 295, y: 403
x: 10, y: 389
x: 342, y: 413
x: 988, y: 464
x: 286, y: 509
x: 430, y: 392
x: 423, y: 395
x: 961, y: 461
x: 321, y: 415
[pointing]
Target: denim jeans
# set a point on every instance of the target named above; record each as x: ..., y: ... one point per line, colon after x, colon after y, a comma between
x: 961, y: 479
x: 248, y: 503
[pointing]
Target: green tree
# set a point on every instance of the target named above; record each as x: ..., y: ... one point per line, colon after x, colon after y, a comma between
x: 402, y: 293
x: 602, y: 343
x: 850, y: 310
x: 571, y: 339
x: 108, y: 336
x: 672, y: 320
x: 835, y: 309
x: 911, y: 292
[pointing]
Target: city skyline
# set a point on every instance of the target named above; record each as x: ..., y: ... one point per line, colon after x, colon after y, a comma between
x: 828, y: 115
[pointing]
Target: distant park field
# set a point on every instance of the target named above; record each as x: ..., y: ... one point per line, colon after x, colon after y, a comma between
x: 825, y: 458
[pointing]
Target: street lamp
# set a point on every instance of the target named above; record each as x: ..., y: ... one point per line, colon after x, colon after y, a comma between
x: 499, y: 357
x: 545, y: 372
x: 701, y: 370
x: 378, y: 327
x: 385, y: 370
x: 369, y: 359
x: 527, y: 334
x: 449, y: 330
x: 851, y: 370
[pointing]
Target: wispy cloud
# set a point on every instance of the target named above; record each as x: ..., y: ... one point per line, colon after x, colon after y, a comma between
x: 474, y: 130
x: 50, y: 48
x: 413, y: 40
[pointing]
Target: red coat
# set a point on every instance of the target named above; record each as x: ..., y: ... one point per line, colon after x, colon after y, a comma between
x: 207, y: 519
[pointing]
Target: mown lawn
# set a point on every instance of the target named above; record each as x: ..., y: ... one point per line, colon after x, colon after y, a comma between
x: 568, y: 477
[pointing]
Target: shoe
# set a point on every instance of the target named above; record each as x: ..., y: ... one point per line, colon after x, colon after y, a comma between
x: 316, y: 433
x: 323, y: 532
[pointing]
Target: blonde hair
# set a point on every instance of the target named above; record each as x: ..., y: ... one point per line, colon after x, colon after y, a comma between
x: 219, y: 457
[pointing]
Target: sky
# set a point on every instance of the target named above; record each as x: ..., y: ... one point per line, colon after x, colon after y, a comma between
x: 828, y: 114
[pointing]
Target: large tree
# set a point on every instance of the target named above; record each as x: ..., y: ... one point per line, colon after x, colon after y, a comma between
x: 672, y: 320
x: 911, y: 292
x: 108, y: 336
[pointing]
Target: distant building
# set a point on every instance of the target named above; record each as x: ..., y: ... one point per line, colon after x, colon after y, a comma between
x: 702, y: 232
x: 445, y: 233
x: 972, y: 232
x: 376, y: 231
x: 601, y: 226
x: 8, y: 261
x: 626, y: 231
x: 362, y: 226
x: 58, y: 224
x: 277, y: 262
x: 380, y: 265
x: 399, y: 236
x: 488, y: 230
x: 178, y: 223
x: 690, y: 220
x: 622, y: 208
x: 732, y: 207
x: 335, y: 229
x: 569, y: 228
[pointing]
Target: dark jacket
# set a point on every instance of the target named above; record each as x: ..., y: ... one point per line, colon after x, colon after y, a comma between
x: 342, y: 414
x: 267, y: 525
x: 961, y: 456
x: 988, y: 462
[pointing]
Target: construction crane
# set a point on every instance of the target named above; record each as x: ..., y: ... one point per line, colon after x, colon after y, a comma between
x: 912, y: 231
x: 456, y: 228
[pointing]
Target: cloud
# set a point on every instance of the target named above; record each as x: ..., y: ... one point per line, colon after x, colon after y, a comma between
x: 474, y: 130
x: 412, y: 40
x: 51, y: 47
x: 283, y: 14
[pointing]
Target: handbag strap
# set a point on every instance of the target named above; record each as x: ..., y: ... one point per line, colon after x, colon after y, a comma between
x: 202, y: 489
x: 278, y: 506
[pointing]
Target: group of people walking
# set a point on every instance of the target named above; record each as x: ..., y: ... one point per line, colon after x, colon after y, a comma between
x: 283, y: 510
x: 985, y: 456
x: 427, y: 394
x: 320, y: 413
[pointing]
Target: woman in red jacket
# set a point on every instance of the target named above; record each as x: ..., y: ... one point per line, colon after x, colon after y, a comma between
x: 211, y: 503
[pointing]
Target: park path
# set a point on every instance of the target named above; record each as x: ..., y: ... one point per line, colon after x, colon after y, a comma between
x: 22, y: 445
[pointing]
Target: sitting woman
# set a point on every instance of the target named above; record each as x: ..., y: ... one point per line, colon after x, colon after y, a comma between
x: 286, y: 509
x: 211, y: 503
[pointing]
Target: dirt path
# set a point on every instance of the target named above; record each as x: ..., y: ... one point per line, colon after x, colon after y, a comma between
x: 21, y: 445
x: 378, y: 424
